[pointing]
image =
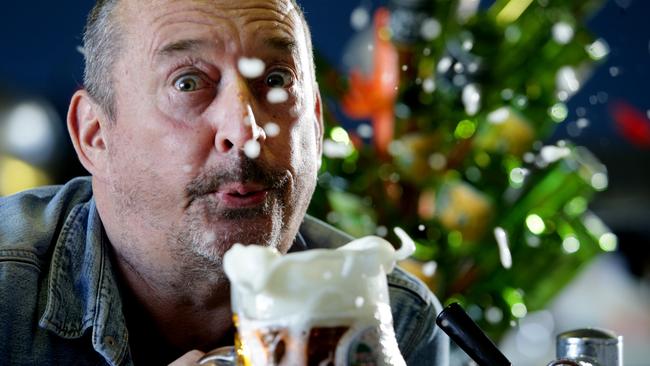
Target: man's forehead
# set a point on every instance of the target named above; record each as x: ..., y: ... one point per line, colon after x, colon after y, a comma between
x: 137, y: 9
x: 273, y: 23
x: 289, y: 4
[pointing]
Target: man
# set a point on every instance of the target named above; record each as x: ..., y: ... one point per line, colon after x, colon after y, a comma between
x: 201, y: 126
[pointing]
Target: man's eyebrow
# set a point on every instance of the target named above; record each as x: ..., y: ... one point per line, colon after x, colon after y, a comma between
x: 283, y: 44
x: 180, y: 46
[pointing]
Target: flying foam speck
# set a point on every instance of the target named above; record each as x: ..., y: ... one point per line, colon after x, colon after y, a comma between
x: 251, y: 67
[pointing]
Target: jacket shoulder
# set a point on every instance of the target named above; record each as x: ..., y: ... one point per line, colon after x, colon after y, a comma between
x: 409, y: 284
x: 31, y: 218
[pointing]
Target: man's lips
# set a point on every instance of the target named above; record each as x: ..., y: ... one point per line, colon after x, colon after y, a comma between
x: 242, y: 195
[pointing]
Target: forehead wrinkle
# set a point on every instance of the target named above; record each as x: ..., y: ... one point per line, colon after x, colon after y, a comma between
x: 288, y: 32
x: 196, y: 9
x: 184, y: 16
x: 286, y: 16
x: 276, y: 23
x: 280, y: 7
x: 182, y: 46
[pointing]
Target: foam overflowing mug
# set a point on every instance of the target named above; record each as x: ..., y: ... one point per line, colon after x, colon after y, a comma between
x: 317, y: 307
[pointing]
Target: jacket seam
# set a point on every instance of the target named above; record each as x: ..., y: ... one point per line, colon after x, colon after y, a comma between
x: 118, y: 358
x: 417, y: 320
x: 417, y: 334
x: 20, y: 256
x: 65, y: 330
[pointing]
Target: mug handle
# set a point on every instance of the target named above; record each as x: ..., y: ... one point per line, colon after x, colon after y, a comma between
x: 222, y: 356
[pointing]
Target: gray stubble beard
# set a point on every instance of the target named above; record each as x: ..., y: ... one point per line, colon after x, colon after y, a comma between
x: 200, y: 251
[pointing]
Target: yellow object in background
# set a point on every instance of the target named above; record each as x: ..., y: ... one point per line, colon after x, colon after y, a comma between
x: 505, y: 131
x: 17, y: 175
x: 461, y: 207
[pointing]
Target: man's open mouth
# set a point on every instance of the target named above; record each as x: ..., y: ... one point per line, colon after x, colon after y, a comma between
x: 242, y: 195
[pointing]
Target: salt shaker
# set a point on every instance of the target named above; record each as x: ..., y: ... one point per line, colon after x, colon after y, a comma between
x: 589, y: 346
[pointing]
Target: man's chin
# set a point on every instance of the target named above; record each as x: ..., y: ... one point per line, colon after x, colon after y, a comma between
x: 249, y: 214
x: 211, y: 249
x: 243, y: 226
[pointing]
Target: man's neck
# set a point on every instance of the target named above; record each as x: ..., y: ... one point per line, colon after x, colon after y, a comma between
x: 166, y: 312
x: 152, y: 341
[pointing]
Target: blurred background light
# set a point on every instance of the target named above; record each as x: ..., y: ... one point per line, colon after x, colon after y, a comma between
x: 535, y: 224
x: 28, y: 132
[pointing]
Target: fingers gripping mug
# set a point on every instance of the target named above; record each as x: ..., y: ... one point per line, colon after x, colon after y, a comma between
x: 319, y: 307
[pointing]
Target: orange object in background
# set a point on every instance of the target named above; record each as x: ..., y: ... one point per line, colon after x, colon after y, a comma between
x: 373, y: 96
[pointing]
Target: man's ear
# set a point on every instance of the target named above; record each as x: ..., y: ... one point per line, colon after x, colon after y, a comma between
x: 86, y: 126
x: 320, y: 128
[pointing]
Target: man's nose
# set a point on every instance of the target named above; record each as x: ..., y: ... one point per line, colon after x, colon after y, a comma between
x: 237, y: 124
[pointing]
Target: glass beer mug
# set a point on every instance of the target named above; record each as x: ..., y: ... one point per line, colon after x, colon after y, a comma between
x: 319, y: 307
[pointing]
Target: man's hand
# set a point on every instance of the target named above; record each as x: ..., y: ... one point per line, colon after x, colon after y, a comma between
x: 188, y: 359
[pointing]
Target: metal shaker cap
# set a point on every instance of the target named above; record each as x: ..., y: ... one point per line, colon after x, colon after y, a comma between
x: 597, y: 346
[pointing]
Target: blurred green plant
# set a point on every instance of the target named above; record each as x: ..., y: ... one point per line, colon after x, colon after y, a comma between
x: 456, y: 108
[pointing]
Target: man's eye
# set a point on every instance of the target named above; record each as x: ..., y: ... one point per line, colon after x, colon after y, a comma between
x: 279, y: 79
x: 189, y: 83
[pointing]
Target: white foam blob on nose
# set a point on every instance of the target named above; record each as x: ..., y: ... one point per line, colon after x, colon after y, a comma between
x: 252, y: 149
x: 277, y: 95
x: 272, y: 129
x: 251, y: 67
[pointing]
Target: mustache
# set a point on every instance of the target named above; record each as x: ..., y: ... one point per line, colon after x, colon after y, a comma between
x: 241, y: 169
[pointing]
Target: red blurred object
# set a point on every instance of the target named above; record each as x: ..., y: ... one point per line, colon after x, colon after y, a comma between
x: 631, y: 123
x: 373, y: 96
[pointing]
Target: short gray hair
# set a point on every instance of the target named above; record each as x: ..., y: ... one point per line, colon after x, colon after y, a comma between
x: 102, y: 43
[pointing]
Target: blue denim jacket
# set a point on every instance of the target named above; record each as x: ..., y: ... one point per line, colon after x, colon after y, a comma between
x: 59, y: 300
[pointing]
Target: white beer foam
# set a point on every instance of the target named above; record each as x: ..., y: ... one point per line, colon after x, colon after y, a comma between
x: 320, y: 281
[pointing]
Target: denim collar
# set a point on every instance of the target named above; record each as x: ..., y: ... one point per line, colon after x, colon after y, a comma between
x: 315, y: 234
x: 82, y: 290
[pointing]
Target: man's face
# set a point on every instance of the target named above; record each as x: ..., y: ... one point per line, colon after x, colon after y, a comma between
x: 189, y: 102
